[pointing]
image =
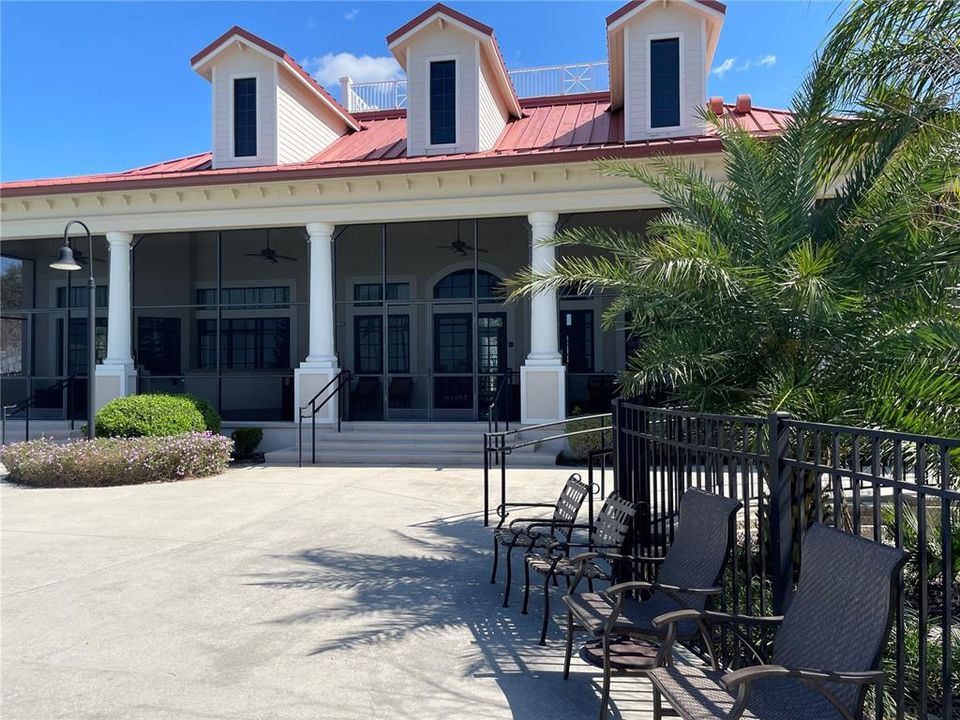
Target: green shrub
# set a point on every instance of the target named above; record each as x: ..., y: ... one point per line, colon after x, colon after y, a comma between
x: 148, y: 416
x: 246, y: 440
x: 581, y: 445
x: 116, y: 461
x: 211, y: 418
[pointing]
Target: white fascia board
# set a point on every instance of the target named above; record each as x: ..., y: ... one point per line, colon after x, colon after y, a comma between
x: 691, y: 4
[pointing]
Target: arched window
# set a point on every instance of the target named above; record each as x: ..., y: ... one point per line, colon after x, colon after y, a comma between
x: 459, y: 285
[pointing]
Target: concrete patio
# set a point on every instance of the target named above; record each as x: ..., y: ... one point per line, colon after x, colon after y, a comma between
x: 276, y: 593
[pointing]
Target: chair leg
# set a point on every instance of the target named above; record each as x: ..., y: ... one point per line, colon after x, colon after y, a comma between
x: 526, y: 586
x: 496, y: 560
x: 657, y: 704
x: 546, y: 608
x: 590, y: 584
x: 506, y: 589
x: 569, y: 649
x: 605, y: 694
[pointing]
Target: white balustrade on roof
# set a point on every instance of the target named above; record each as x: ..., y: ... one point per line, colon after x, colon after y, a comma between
x: 527, y: 82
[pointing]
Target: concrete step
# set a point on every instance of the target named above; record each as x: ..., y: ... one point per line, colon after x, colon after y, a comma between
x: 413, y: 457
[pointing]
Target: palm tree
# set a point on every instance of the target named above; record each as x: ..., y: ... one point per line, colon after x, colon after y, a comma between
x: 822, y: 275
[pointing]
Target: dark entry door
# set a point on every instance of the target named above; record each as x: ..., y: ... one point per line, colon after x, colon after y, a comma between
x: 491, y: 356
x: 453, y: 366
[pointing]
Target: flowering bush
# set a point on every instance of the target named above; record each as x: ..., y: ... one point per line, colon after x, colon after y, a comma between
x: 116, y: 461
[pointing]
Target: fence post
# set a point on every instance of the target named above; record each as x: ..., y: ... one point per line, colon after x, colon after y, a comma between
x: 781, y: 516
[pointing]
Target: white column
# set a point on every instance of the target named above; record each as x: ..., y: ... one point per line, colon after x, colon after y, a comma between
x: 544, y: 346
x: 320, y: 365
x: 543, y: 382
x: 322, y: 329
x: 117, y: 376
x: 118, y: 318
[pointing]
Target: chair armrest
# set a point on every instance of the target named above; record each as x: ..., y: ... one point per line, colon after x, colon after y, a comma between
x: 676, y: 616
x: 755, y: 672
x: 554, y: 523
x: 531, y: 521
x: 668, y: 589
x: 584, y: 557
x: 502, y: 507
x: 710, y: 616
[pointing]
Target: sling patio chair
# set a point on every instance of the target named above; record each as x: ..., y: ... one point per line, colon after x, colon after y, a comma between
x: 687, y: 577
x: 516, y: 534
x: 608, y: 533
x: 826, y: 651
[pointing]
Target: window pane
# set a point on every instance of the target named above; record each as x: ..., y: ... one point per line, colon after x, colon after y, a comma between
x: 665, y: 83
x: 245, y: 117
x: 576, y: 340
x: 368, y: 344
x: 443, y: 112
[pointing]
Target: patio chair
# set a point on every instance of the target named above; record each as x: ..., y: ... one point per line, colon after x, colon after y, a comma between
x: 516, y: 534
x: 687, y: 576
x: 826, y: 651
x: 609, y: 533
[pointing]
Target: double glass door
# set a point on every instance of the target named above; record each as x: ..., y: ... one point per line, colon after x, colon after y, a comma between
x: 469, y: 358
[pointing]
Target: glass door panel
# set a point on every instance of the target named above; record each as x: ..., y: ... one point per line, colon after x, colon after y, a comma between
x: 408, y: 362
x: 453, y: 362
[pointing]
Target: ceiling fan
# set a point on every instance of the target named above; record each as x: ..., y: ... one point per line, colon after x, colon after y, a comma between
x: 459, y: 246
x: 269, y: 254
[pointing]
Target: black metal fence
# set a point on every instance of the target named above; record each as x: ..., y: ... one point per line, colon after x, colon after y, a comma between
x: 894, y: 488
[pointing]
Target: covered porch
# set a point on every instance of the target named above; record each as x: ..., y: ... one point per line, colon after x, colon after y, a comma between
x: 257, y: 320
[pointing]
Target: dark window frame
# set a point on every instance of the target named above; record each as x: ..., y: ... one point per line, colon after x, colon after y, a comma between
x: 258, y: 352
x: 578, y: 352
x: 442, y: 101
x: 245, y: 120
x: 665, y: 83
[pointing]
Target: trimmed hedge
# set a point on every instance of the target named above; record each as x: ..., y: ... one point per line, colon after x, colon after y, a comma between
x: 246, y: 440
x: 211, y: 418
x: 149, y: 416
x: 116, y: 461
x: 580, y: 446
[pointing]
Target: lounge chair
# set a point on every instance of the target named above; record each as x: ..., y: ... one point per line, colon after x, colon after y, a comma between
x: 517, y: 534
x: 826, y: 651
x: 688, y: 575
x: 609, y: 533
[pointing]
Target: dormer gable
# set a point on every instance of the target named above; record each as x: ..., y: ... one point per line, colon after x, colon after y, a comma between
x: 267, y: 110
x: 660, y: 53
x: 459, y: 96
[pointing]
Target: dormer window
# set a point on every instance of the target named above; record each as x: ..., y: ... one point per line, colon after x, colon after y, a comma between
x: 665, y: 83
x: 245, y: 117
x: 443, y: 102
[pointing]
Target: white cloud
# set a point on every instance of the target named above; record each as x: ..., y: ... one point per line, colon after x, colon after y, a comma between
x: 351, y: 14
x: 724, y: 67
x: 767, y: 60
x: 329, y: 68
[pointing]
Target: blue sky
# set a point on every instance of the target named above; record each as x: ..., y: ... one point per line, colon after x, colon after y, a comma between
x: 96, y: 87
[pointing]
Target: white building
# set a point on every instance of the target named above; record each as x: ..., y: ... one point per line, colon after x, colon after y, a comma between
x: 320, y: 236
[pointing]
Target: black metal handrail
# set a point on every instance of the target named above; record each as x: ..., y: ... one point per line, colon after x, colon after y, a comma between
x: 8, y: 411
x: 311, y: 409
x: 497, y: 446
x: 493, y: 418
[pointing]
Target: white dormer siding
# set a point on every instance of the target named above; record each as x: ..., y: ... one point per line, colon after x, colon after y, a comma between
x: 484, y: 99
x: 303, y: 127
x: 231, y: 65
x: 667, y: 23
x: 646, y: 28
x: 437, y: 45
x: 295, y: 117
x: 493, y: 114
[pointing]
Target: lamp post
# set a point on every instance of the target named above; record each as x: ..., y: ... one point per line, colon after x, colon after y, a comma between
x: 66, y: 261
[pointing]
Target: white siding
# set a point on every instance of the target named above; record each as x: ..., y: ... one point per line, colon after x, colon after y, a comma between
x: 234, y: 63
x: 659, y: 22
x: 493, y: 115
x: 449, y: 43
x: 304, y: 128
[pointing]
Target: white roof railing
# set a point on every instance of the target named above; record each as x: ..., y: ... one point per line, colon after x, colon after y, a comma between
x: 528, y: 82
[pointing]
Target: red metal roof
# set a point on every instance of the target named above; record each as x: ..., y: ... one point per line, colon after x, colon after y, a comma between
x: 571, y: 128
